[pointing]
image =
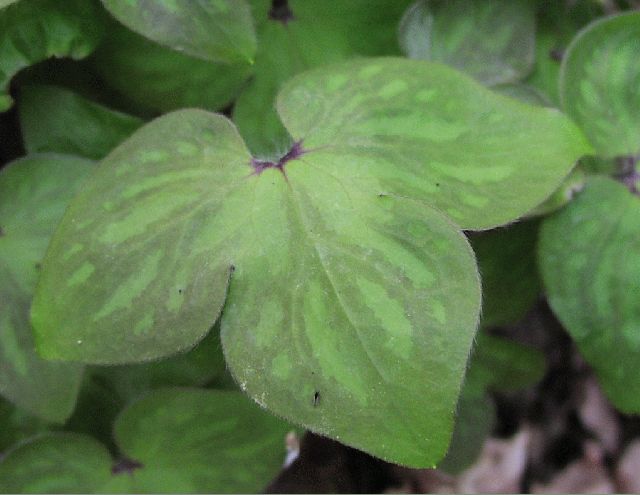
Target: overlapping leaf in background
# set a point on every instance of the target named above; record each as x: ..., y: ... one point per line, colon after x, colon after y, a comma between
x: 588, y: 251
x: 34, y: 192
x: 34, y: 30
x: 171, y: 440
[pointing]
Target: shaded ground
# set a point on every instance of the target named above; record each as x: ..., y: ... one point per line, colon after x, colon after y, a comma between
x: 560, y: 436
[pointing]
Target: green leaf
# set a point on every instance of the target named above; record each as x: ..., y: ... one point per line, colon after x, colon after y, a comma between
x: 589, y: 265
x: 5, y: 3
x: 197, y: 367
x: 56, y: 463
x: 477, y: 170
x: 491, y: 40
x: 170, y: 441
x: 199, y: 441
x: 288, y: 47
x: 572, y: 184
x: 58, y: 120
x: 157, y: 79
x: 33, y: 194
x: 599, y: 84
x: 510, y: 286
x: 211, y: 30
x: 474, y: 421
x: 496, y: 364
x: 347, y: 288
x: 34, y: 30
x: 16, y: 425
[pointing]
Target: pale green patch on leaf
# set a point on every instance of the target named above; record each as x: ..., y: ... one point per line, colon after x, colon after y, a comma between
x: 6, y: 3
x: 590, y: 269
x: 211, y: 30
x: 287, y: 47
x: 157, y: 79
x: 491, y: 40
x: 33, y: 194
x: 599, y: 83
x: 57, y: 120
x: 506, y: 259
x: 56, y: 463
x: 34, y: 30
x: 345, y: 287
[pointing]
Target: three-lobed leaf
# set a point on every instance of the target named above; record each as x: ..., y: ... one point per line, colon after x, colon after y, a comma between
x: 599, y: 83
x: 211, y: 30
x: 590, y: 269
x: 344, y: 289
x: 491, y: 40
x: 34, y: 192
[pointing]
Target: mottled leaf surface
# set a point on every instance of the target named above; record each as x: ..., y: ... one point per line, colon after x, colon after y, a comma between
x: 212, y: 30
x: 33, y: 194
x: 4, y: 3
x: 507, y: 263
x: 491, y: 40
x: 58, y: 120
x: 56, y: 463
x: 473, y: 154
x: 600, y: 81
x: 588, y: 256
x: 158, y: 79
x: 345, y: 287
x: 34, y: 30
x: 200, y: 441
x: 294, y: 40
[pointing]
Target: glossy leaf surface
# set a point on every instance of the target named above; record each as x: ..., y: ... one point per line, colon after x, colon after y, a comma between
x: 58, y: 120
x: 358, y: 289
x: 600, y: 81
x: 33, y: 194
x: 212, y: 30
x: 589, y: 264
x: 34, y: 30
x: 491, y: 40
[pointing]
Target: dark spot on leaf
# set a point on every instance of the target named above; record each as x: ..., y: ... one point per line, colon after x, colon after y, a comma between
x: 556, y: 54
x: 232, y: 268
x: 260, y: 166
x: 179, y: 291
x: 281, y: 12
x: 437, y: 184
x: 382, y: 195
x: 126, y: 466
x: 316, y: 398
x: 38, y: 266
